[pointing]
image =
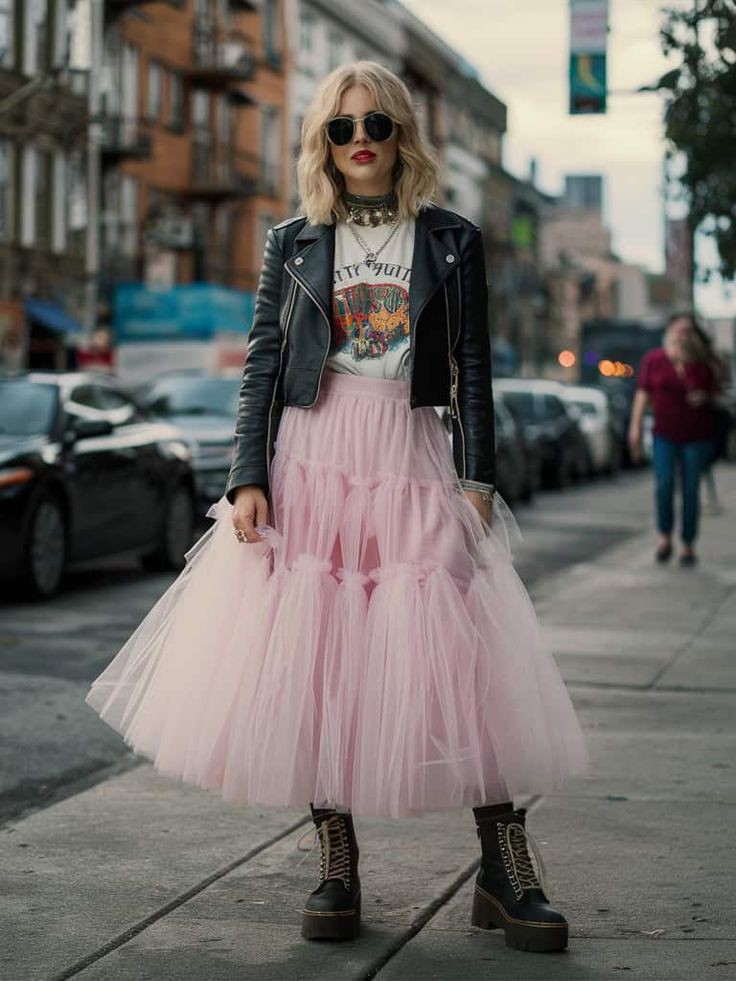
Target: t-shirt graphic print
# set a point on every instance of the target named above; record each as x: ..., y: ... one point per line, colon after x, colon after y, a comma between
x: 370, y: 307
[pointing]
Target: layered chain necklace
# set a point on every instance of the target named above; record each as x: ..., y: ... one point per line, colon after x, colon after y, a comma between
x: 371, y: 211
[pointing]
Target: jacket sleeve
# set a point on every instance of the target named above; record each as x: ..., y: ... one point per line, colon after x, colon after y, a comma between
x: 473, y: 428
x: 260, y: 376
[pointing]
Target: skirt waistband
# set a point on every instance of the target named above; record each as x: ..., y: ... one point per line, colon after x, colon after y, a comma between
x: 347, y: 384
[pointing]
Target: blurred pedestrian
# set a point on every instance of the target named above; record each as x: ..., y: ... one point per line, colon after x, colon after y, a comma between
x: 371, y: 650
x: 678, y: 383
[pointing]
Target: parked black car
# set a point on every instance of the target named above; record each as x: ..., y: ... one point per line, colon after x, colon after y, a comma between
x: 203, y: 408
x: 516, y: 475
x: 551, y: 424
x: 85, y: 473
x: 527, y: 450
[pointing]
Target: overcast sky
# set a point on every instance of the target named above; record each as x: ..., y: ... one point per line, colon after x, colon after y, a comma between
x: 520, y: 48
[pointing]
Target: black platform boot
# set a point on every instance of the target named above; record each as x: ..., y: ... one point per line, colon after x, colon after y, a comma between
x: 508, y: 893
x: 332, y: 911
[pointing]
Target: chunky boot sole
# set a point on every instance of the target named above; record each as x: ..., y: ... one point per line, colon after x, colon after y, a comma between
x: 343, y: 925
x: 538, y: 938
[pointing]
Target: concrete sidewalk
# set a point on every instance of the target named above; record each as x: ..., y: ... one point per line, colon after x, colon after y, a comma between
x: 142, y: 877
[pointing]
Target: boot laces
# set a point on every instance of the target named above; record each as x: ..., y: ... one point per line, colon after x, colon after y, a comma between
x: 515, y: 842
x: 335, y: 857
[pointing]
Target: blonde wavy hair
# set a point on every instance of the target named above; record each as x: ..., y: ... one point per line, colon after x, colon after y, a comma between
x: 321, y: 186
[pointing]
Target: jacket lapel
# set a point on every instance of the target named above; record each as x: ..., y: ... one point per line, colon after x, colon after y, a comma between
x: 430, y: 265
x: 314, y: 257
x: 312, y: 263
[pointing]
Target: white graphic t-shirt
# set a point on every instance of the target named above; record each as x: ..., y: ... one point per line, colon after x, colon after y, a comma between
x: 370, y: 307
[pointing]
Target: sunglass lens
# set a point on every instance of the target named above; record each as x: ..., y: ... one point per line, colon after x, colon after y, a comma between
x: 340, y: 130
x: 378, y: 126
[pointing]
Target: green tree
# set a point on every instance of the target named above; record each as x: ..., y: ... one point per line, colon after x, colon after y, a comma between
x: 700, y: 116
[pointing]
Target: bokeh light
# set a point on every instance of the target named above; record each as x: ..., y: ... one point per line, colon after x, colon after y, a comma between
x: 566, y: 359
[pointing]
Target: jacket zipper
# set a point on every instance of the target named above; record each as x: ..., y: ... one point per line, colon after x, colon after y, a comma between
x: 314, y: 300
x: 287, y: 321
x: 454, y: 377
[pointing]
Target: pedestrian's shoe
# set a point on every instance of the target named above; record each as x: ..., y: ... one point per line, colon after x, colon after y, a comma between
x: 332, y: 910
x: 508, y: 892
x: 664, y: 552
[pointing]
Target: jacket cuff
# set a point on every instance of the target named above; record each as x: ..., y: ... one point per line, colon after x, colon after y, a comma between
x: 239, y: 478
x: 477, y: 485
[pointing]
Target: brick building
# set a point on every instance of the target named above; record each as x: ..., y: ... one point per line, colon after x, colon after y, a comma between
x: 194, y: 170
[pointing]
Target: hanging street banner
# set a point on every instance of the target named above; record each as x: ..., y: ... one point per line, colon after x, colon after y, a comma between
x: 588, y: 41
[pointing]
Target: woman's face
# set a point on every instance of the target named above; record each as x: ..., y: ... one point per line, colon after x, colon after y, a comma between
x: 366, y: 166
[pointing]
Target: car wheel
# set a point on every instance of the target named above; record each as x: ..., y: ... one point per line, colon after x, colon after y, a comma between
x: 176, y: 537
x: 44, y: 560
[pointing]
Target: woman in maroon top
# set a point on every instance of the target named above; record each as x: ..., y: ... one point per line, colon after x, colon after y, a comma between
x: 678, y: 383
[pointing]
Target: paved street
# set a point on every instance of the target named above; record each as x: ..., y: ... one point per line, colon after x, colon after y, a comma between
x: 113, y: 872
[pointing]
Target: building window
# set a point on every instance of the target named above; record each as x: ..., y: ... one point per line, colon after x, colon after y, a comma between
x: 36, y: 37
x: 129, y: 82
x: 270, y: 35
x: 223, y: 242
x: 61, y: 42
x: 176, y: 101
x: 153, y: 95
x: 7, y: 33
x: 43, y: 194
x: 224, y: 119
x: 270, y: 149
x: 6, y: 191
x: 76, y: 195
x: 200, y: 109
x: 129, y: 216
x: 28, y: 197
x: 58, y: 239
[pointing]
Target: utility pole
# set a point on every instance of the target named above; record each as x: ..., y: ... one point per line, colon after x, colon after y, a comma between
x: 94, y: 140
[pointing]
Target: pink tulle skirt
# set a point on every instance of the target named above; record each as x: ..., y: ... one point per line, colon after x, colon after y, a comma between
x: 377, y: 651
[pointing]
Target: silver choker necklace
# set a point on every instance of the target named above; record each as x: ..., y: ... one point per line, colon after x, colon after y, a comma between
x: 368, y: 210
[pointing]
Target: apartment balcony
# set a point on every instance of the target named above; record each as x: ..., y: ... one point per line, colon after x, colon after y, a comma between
x: 124, y: 138
x: 219, y: 173
x: 220, y: 58
x: 54, y: 108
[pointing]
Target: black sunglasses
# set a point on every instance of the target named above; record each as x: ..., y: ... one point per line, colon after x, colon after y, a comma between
x: 378, y: 127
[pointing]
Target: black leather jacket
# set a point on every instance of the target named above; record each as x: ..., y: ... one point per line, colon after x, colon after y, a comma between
x: 290, y: 339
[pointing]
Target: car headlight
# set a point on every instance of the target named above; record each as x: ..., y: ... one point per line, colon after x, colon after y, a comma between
x: 176, y: 449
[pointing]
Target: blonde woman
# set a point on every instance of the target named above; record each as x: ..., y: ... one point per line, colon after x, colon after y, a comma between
x: 350, y: 633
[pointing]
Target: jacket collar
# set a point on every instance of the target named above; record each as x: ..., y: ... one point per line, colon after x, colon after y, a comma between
x: 314, y: 247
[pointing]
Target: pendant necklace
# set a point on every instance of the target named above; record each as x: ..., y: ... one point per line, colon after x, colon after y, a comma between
x: 372, y: 255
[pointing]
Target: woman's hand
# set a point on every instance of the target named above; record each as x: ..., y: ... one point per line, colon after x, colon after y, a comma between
x: 481, y: 505
x: 635, y: 444
x: 250, y: 510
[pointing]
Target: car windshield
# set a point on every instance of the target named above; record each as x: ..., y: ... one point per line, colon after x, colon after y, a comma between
x: 521, y: 404
x: 194, y: 396
x: 587, y: 408
x: 26, y: 408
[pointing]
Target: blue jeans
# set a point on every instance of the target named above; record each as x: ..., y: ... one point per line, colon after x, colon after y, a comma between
x: 691, y: 459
